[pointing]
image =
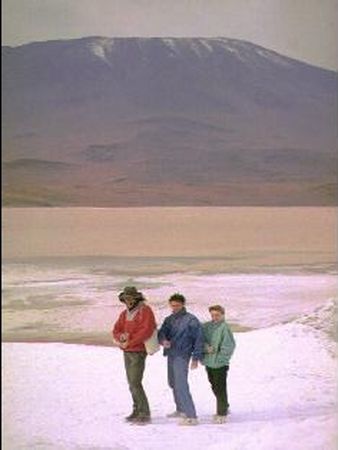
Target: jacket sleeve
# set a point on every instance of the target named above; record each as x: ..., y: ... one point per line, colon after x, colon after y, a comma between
x: 163, y: 333
x: 119, y: 327
x: 205, y: 327
x: 146, y: 328
x: 228, y: 344
x: 198, y: 340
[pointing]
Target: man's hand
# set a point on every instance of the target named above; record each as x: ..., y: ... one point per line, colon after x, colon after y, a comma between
x: 166, y: 344
x: 123, y: 345
x: 194, y: 364
x: 124, y: 337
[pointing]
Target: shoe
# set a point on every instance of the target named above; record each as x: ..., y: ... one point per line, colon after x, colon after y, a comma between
x: 131, y: 417
x: 219, y: 419
x: 142, y: 420
x: 175, y: 414
x: 227, y: 413
x: 188, y: 421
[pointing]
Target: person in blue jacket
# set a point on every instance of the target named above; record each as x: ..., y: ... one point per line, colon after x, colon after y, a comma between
x: 181, y: 335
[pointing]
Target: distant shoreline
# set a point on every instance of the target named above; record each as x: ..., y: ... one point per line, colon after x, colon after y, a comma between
x: 283, y: 235
x: 100, y: 340
x: 171, y: 207
x: 157, y: 266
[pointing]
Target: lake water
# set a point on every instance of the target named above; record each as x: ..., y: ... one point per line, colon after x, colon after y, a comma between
x: 63, y: 268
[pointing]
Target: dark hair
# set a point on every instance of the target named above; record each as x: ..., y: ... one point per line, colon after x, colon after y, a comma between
x: 218, y: 308
x: 177, y: 298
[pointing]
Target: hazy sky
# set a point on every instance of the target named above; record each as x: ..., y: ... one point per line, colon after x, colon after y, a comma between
x: 304, y: 29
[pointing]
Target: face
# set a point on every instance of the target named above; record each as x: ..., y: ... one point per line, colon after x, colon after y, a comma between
x: 129, y: 301
x: 176, y: 306
x: 216, y: 316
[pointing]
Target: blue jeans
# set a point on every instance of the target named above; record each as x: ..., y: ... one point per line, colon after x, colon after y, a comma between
x: 178, y: 368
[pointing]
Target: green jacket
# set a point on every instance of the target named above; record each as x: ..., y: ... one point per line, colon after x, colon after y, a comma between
x: 220, y: 337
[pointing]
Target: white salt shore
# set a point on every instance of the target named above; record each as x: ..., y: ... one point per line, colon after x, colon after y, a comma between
x: 282, y: 386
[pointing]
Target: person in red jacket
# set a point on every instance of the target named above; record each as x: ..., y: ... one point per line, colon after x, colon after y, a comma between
x: 134, y: 326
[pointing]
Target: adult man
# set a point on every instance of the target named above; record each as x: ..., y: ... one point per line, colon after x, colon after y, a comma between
x: 134, y: 326
x: 181, y: 335
x: 220, y: 345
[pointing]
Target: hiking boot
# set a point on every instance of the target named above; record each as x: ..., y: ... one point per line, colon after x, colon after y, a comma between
x: 131, y: 417
x: 175, y: 415
x: 188, y: 421
x: 142, y: 420
x: 219, y: 419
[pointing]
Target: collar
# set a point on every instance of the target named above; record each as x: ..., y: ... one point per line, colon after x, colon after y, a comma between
x: 216, y: 324
x: 180, y: 313
x: 136, y: 306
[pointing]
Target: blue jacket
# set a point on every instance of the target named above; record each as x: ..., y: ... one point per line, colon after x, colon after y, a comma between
x: 185, y: 333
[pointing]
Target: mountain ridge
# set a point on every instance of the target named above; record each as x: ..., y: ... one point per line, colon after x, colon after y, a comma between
x: 212, y: 113
x: 166, y: 38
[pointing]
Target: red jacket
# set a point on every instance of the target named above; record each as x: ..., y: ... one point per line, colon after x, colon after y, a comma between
x: 140, y: 327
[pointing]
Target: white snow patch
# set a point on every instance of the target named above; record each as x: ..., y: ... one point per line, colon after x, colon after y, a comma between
x: 206, y: 44
x: 244, y: 52
x: 170, y: 43
x: 282, y: 390
x: 195, y: 47
x: 100, y: 47
x: 324, y: 318
x: 257, y: 300
x: 236, y: 50
x: 273, y: 57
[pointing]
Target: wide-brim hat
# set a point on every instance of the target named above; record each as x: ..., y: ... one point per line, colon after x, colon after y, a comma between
x: 130, y: 291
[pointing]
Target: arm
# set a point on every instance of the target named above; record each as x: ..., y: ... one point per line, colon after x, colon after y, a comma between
x: 198, y: 344
x: 146, y: 328
x: 163, y: 334
x: 228, y: 344
x: 206, y: 346
x: 118, y: 329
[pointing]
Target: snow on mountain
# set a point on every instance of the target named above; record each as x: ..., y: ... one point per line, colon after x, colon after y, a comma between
x: 100, y: 47
x: 200, y: 47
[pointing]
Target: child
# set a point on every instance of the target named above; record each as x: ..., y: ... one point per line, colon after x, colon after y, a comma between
x: 219, y: 347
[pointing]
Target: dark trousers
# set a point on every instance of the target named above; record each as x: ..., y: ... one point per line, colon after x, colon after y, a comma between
x: 135, y: 363
x: 218, y: 381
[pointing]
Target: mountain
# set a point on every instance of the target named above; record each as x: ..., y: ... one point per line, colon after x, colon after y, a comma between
x: 165, y: 121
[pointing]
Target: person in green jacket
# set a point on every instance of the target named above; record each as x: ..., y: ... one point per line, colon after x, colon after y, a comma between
x: 219, y: 347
